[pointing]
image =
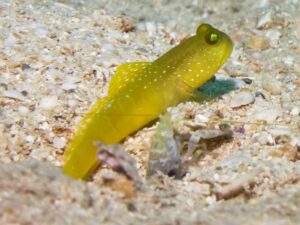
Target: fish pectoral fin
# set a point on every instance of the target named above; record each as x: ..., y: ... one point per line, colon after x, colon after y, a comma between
x: 124, y: 74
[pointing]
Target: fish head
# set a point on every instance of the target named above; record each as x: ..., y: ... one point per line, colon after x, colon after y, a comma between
x: 215, y: 47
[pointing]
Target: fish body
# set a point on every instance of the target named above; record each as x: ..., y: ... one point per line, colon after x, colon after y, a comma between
x: 138, y: 92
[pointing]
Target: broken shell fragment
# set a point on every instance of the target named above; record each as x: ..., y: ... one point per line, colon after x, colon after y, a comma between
x: 241, y: 99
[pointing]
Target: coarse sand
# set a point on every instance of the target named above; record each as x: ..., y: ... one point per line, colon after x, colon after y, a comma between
x: 56, y: 60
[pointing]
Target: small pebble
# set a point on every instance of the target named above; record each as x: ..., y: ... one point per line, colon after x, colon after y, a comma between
x: 59, y: 142
x: 274, y: 36
x: 258, y: 43
x: 282, y: 139
x: 14, y: 94
x: 247, y: 80
x: 44, y: 126
x: 201, y: 118
x: 268, y: 115
x: 295, y: 111
x: 211, y: 199
x: 297, y: 82
x: 24, y: 93
x: 49, y: 102
x: 68, y: 86
x: 10, y: 41
x: 151, y: 29
x: 41, y: 32
x: 25, y: 66
x: 216, y: 176
x: 201, y: 189
x: 29, y: 138
x: 23, y: 110
x: 71, y: 103
x: 271, y: 85
x: 264, y: 21
x: 241, y: 99
x: 288, y: 60
x: 126, y: 25
x: 109, y: 59
x: 107, y: 46
x: 264, y: 138
x: 279, y: 131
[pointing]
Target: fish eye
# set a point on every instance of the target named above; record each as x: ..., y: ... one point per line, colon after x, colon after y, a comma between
x: 212, y: 38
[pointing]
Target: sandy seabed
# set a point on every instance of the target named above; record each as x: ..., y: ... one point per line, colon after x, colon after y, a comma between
x: 56, y: 60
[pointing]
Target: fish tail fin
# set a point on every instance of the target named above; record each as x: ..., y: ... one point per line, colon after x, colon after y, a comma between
x: 80, y: 157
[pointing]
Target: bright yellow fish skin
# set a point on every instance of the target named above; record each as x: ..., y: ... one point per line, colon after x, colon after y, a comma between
x: 139, y: 92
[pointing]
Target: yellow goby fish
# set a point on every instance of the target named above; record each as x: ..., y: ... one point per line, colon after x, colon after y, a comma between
x: 138, y: 92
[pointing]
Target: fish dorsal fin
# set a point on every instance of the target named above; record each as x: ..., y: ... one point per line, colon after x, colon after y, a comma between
x: 124, y: 73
